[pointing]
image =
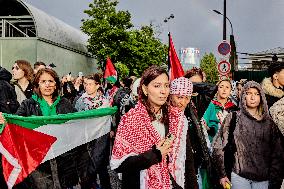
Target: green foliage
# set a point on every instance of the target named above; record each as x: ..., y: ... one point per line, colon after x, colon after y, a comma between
x: 111, y: 34
x: 209, y: 66
x: 122, y: 70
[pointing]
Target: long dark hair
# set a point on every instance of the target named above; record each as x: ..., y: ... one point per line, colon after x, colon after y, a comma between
x: 53, y: 74
x: 149, y: 75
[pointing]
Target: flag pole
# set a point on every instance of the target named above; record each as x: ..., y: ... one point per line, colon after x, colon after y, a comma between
x: 104, y: 79
x: 169, y: 63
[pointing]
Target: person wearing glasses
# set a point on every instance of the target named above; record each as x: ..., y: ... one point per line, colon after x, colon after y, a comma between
x: 22, y: 72
x: 47, y: 101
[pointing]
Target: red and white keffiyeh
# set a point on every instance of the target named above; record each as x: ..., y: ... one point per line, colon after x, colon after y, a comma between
x: 181, y: 86
x: 136, y: 134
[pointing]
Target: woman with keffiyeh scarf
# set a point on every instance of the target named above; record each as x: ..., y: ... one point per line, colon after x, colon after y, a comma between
x: 141, y: 153
x: 180, y: 96
x: 89, y: 100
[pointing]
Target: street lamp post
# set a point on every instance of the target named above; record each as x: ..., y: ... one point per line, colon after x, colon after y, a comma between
x: 232, y: 30
x: 167, y: 19
x: 224, y: 22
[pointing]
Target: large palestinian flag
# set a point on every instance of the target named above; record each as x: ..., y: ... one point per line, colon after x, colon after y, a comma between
x: 27, y: 142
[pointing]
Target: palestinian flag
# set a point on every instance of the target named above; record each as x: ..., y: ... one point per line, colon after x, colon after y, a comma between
x: 27, y: 142
x: 175, y: 68
x: 110, y: 73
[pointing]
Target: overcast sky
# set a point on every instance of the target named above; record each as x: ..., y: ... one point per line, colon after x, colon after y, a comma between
x: 258, y: 24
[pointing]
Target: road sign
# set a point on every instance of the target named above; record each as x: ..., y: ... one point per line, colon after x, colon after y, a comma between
x: 224, y: 48
x: 224, y: 67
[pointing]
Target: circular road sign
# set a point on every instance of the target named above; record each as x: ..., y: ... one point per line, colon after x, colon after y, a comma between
x: 224, y: 48
x: 224, y: 67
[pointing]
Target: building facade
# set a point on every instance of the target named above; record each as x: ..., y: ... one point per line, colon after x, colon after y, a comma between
x: 30, y: 34
x: 189, y: 57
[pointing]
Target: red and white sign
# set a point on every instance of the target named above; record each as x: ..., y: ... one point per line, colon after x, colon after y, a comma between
x: 224, y: 67
x: 224, y: 48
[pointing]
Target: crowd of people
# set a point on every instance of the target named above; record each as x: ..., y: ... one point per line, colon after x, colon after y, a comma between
x: 183, y: 133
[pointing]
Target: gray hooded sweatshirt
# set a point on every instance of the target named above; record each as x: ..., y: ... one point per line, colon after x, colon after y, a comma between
x: 259, y: 150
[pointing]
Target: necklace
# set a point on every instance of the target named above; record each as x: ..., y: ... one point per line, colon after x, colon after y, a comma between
x: 159, y: 115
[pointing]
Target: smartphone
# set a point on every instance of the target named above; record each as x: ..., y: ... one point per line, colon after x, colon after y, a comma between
x: 69, y: 73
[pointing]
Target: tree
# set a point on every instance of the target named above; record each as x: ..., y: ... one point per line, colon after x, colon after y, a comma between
x: 209, y: 66
x: 122, y: 70
x: 143, y: 50
x: 111, y: 34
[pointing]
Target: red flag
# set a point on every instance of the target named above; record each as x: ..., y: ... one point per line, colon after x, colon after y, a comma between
x: 110, y: 72
x: 175, y: 68
x: 23, y: 150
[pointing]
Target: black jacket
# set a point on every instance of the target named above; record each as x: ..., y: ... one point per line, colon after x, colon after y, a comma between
x: 29, y: 90
x: 70, y: 95
x: 206, y: 92
x: 131, y: 167
x: 8, y: 97
x: 8, y: 104
x: 31, y: 107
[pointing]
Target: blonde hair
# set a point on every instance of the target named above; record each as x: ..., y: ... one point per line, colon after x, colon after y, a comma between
x: 226, y: 79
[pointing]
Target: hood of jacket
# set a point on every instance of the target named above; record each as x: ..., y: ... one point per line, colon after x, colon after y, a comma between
x: 5, y: 74
x: 263, y: 103
x: 270, y: 89
x: 277, y: 114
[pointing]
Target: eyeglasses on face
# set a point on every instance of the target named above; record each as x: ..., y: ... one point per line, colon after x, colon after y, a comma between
x: 47, y: 82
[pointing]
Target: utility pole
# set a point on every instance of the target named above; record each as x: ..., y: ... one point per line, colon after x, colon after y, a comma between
x: 224, y: 22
